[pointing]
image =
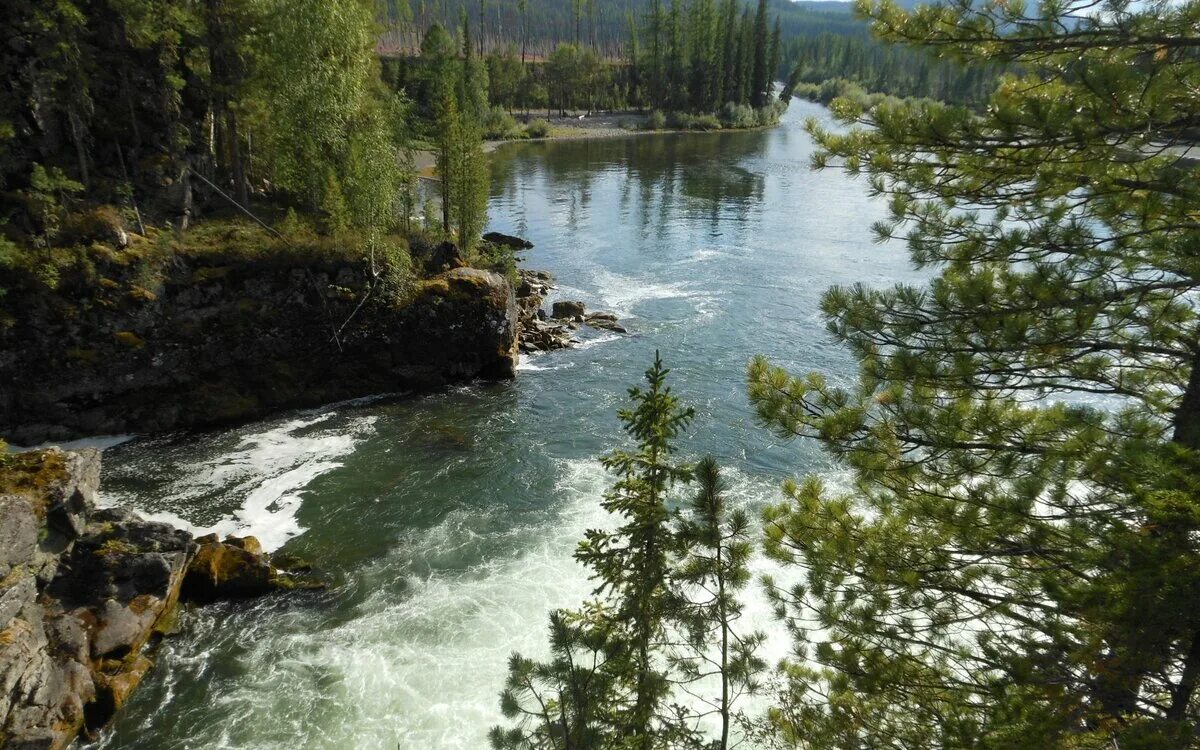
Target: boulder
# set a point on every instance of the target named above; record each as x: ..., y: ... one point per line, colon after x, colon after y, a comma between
x: 227, y: 571
x: 567, y: 309
x: 508, y: 240
x: 604, y: 320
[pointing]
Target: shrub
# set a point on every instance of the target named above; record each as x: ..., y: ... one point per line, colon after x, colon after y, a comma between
x: 399, y: 280
x: 656, y: 121
x: 704, y: 122
x: 499, y: 125
x: 770, y: 114
x: 737, y: 116
x: 537, y: 129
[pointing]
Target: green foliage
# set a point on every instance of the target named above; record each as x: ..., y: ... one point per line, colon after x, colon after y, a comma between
x: 538, y: 129
x: 499, y: 258
x: 656, y: 121
x: 499, y: 125
x: 878, y: 67
x: 665, y: 617
x: 737, y: 116
x: 712, y: 567
x: 328, y: 114
x: 333, y: 204
x: 1016, y: 562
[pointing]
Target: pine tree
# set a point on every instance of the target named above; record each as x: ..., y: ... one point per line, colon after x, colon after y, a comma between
x: 760, y: 76
x: 727, y: 52
x: 1016, y: 564
x: 676, y: 94
x: 631, y: 563
x: 712, y: 569
x: 565, y: 703
x: 655, y: 26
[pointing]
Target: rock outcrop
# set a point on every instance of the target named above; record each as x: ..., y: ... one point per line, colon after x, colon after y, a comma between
x: 539, y: 333
x: 536, y: 333
x: 208, y: 345
x: 508, y: 240
x: 86, y: 593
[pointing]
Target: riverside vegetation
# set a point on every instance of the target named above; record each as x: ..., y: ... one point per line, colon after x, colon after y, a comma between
x: 703, y: 66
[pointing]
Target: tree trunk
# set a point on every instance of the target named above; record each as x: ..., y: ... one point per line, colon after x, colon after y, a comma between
x: 80, y: 147
x: 235, y: 159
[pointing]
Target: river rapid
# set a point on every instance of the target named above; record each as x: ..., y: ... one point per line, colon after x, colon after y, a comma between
x: 447, y: 521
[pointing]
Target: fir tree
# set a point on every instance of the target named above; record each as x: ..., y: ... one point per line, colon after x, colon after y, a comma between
x: 632, y: 562
x: 760, y: 75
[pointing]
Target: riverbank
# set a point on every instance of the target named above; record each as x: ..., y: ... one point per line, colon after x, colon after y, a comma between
x: 581, y: 126
x: 228, y: 325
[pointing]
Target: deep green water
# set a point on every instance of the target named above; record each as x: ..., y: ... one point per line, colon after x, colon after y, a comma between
x: 448, y: 521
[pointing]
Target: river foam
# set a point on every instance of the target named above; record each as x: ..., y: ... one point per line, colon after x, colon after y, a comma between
x: 263, y: 477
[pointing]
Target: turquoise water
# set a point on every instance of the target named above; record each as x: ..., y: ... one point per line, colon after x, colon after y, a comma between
x: 447, y: 521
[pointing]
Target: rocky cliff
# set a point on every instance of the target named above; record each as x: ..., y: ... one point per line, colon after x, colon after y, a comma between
x: 207, y: 344
x: 86, y: 593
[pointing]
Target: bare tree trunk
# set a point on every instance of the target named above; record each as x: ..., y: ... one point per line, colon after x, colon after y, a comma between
x: 80, y: 147
x: 235, y: 159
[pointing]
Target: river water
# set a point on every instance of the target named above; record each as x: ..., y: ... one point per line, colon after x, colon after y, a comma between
x: 447, y: 522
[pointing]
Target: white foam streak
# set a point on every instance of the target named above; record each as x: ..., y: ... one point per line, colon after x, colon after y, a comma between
x: 267, y: 472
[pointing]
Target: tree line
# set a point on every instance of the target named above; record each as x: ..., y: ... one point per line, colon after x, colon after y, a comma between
x: 692, y: 58
x: 538, y: 27
x: 882, y: 68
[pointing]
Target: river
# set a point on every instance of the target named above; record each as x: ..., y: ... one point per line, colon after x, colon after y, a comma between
x: 447, y: 522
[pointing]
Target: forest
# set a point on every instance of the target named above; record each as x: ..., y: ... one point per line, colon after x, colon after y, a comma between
x: 601, y: 24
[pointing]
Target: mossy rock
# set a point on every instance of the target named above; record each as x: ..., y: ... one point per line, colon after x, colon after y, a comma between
x: 225, y: 571
x: 129, y: 339
x: 138, y: 294
x: 34, y: 474
x: 210, y: 274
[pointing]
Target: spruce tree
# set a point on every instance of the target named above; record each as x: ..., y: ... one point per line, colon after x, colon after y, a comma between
x: 606, y: 684
x: 631, y: 563
x: 1016, y: 563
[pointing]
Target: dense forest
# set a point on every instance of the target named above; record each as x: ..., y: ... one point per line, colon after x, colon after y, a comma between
x: 601, y: 24
x: 829, y: 65
x: 707, y: 65
x: 154, y: 116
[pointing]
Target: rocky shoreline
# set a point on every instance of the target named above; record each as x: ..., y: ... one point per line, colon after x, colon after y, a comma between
x: 86, y: 594
x: 543, y: 332
x: 218, y: 344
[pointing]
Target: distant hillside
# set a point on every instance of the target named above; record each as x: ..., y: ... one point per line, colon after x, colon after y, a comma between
x: 604, y: 23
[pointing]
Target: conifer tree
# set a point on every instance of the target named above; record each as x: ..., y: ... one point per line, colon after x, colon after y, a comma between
x: 1017, y: 563
x: 760, y: 76
x: 727, y: 52
x: 606, y: 685
x: 713, y: 568
x: 631, y: 563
